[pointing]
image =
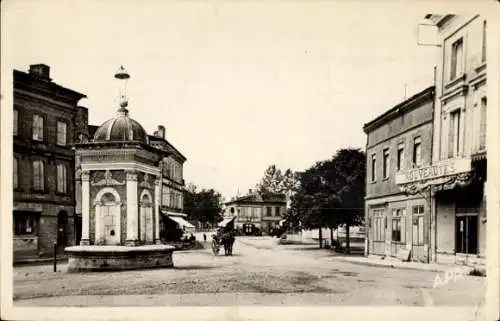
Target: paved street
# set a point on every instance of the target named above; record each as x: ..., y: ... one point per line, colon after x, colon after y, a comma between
x: 260, y: 273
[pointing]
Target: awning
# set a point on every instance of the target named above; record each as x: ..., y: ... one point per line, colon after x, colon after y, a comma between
x: 225, y: 222
x: 181, y: 221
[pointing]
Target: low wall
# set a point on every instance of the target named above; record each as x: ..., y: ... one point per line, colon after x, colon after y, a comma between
x: 114, y: 258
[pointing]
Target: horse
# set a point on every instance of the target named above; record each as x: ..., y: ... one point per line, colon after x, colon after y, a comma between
x: 227, y: 241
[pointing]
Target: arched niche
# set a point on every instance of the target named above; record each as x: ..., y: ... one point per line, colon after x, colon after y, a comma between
x: 107, y: 217
x: 146, y: 221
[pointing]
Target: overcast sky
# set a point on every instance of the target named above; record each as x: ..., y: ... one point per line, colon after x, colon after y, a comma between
x: 238, y: 86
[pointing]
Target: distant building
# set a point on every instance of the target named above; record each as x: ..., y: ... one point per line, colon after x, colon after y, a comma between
x: 256, y: 211
x: 46, y: 122
x: 397, y: 141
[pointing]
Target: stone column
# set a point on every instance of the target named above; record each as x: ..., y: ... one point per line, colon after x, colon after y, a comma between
x: 85, y: 208
x: 157, y: 212
x: 132, y: 209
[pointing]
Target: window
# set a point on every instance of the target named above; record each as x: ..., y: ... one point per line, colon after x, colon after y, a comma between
x: 37, y: 127
x: 396, y: 230
x: 15, y: 118
x: 61, y: 133
x: 24, y: 225
x: 374, y: 167
x: 399, y: 225
x: 269, y: 211
x: 400, y: 156
x: 482, y: 125
x: 417, y: 152
x: 278, y: 209
x: 15, y: 169
x: 172, y: 199
x: 165, y: 196
x: 386, y: 164
x: 454, y: 134
x: 456, y: 59
x: 62, y: 178
x: 38, y: 176
x: 483, y: 50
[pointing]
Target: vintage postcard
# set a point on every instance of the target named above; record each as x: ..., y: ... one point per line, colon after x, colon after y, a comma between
x: 250, y: 160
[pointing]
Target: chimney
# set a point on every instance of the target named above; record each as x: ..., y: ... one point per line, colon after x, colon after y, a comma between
x: 250, y: 191
x: 161, y: 131
x: 41, y: 71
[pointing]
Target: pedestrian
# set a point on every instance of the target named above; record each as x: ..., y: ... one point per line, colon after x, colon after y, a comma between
x: 204, y: 238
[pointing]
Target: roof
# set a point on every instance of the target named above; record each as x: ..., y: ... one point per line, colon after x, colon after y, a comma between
x: 45, y: 87
x: 121, y: 128
x: 401, y: 108
x: 170, y: 147
x: 258, y: 198
x: 438, y: 19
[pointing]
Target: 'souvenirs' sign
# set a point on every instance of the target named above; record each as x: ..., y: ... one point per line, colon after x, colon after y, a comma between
x: 441, y: 169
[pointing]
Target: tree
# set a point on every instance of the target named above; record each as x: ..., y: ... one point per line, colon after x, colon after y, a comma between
x: 331, y: 193
x: 203, y: 206
x: 348, y: 183
x: 276, y: 181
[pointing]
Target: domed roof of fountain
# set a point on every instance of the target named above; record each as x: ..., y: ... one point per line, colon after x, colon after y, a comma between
x: 121, y: 128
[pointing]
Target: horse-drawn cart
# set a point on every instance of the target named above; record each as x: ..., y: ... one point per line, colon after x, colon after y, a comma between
x: 224, y: 237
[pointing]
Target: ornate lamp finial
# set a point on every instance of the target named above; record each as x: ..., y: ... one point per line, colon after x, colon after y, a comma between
x: 123, y: 75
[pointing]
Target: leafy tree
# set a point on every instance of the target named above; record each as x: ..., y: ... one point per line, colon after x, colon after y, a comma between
x: 331, y: 193
x: 276, y: 181
x: 204, y: 206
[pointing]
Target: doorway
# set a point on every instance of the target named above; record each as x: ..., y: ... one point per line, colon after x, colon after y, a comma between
x: 466, y: 235
x: 62, y: 230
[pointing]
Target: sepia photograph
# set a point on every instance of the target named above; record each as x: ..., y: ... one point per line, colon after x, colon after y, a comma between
x: 286, y: 155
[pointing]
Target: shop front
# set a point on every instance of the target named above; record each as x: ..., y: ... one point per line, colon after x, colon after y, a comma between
x: 454, y: 192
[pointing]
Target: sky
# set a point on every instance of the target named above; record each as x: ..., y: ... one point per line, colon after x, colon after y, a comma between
x: 238, y: 85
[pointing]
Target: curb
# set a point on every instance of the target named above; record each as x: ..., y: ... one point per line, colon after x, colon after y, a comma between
x: 402, y: 267
x: 38, y: 262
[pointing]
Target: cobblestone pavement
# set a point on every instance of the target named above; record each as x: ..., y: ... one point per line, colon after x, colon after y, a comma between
x: 259, y: 273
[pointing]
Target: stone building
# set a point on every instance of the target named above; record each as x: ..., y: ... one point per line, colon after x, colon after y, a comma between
x: 46, y: 116
x: 256, y: 211
x: 397, y: 222
x: 456, y: 180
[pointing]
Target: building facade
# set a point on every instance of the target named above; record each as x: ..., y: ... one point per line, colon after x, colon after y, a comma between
x: 397, y: 223
x: 456, y: 180
x: 256, y: 211
x: 46, y: 116
x: 172, y: 185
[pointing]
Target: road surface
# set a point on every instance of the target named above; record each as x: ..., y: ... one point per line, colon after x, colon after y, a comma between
x: 259, y: 273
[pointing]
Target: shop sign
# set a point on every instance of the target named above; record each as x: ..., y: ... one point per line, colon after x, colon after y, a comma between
x: 439, y: 170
